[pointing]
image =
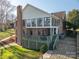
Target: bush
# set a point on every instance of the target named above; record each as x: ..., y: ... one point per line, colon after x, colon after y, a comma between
x: 43, y: 48
x: 70, y: 33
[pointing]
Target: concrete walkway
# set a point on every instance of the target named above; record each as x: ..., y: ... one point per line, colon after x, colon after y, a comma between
x: 66, y: 49
x: 47, y: 55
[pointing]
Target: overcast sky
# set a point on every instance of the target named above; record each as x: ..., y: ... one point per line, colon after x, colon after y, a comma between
x: 49, y: 5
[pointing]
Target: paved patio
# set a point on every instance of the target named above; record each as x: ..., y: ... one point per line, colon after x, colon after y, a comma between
x: 66, y: 49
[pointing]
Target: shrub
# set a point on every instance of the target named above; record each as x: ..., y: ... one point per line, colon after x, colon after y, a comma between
x: 70, y: 33
x: 43, y: 48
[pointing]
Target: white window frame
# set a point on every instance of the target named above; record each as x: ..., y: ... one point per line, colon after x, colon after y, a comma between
x: 34, y: 22
x: 45, y: 21
x: 41, y: 22
x: 29, y: 22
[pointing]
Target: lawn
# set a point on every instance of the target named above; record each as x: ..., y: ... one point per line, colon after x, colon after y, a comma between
x: 6, y: 33
x: 17, y: 52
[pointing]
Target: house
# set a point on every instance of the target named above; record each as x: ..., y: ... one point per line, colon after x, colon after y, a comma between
x: 6, y: 25
x: 2, y: 26
x: 35, y: 27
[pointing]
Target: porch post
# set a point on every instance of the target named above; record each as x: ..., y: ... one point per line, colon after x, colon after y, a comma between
x: 50, y: 27
x: 56, y: 30
x: 36, y: 23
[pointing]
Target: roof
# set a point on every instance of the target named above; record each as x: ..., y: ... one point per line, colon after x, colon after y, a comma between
x: 58, y: 15
x: 61, y: 14
x: 35, y: 8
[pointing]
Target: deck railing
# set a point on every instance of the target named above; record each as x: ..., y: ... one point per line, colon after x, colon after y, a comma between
x: 38, y: 38
x: 55, y: 41
x: 36, y: 41
x: 43, y: 39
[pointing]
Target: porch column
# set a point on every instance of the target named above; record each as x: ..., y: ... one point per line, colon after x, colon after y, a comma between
x: 56, y: 30
x: 50, y: 21
x: 36, y: 22
x: 43, y: 23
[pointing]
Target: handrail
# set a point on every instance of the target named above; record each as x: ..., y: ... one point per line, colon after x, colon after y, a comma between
x: 55, y: 41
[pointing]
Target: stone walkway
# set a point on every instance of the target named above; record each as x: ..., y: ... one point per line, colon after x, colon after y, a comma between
x: 8, y: 40
x: 66, y: 49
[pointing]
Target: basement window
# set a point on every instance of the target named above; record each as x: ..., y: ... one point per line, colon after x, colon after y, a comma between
x: 31, y: 33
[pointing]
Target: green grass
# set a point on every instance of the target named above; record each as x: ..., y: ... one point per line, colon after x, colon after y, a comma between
x: 6, y: 33
x: 17, y: 52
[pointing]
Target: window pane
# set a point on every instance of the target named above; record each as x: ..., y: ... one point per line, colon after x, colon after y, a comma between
x: 58, y: 22
x: 54, y: 22
x: 47, y: 21
x: 39, y: 22
x: 28, y: 22
x: 33, y: 22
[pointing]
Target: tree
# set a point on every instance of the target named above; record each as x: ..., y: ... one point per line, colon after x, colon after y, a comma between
x: 5, y: 9
x: 68, y: 25
x: 73, y: 21
x: 73, y: 18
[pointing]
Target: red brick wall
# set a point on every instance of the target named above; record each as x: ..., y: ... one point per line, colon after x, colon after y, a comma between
x: 35, y: 32
x: 19, y: 25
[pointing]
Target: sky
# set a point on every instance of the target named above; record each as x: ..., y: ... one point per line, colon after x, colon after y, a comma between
x: 49, y: 5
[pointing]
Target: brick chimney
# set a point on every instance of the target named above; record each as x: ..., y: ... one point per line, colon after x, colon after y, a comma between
x: 19, y: 25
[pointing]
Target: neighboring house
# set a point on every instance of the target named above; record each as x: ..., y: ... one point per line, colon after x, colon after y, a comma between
x: 35, y: 27
x: 12, y: 25
x: 6, y: 25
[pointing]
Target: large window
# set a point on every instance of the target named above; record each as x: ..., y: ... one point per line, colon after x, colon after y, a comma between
x: 47, y: 21
x: 28, y: 22
x: 33, y: 22
x: 55, y: 22
x: 39, y: 22
x: 58, y: 22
